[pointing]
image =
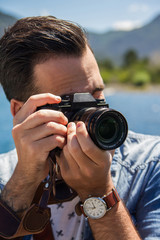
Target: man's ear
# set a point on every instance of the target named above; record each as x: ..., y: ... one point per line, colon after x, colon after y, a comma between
x: 15, y: 106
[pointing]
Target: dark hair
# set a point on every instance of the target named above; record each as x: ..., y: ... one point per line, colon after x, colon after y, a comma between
x: 32, y: 40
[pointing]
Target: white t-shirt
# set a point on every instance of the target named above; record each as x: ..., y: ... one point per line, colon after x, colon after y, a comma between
x: 66, y: 224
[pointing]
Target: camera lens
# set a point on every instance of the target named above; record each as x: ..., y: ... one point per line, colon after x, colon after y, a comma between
x: 107, y: 128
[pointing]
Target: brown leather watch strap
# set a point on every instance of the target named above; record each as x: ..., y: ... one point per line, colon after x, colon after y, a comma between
x: 111, y: 198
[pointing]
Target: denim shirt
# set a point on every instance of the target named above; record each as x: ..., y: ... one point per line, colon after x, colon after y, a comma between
x: 135, y: 172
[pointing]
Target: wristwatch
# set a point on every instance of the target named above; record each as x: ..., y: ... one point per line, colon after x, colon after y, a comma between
x: 96, y: 207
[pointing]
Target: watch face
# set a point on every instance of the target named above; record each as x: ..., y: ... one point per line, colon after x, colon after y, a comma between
x: 95, y: 207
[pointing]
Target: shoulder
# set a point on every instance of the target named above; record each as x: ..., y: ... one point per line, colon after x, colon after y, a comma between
x: 8, y: 162
x: 139, y: 150
x: 139, y: 138
x: 136, y: 165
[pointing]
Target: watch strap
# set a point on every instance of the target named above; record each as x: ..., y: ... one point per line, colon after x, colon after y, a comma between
x: 111, y: 198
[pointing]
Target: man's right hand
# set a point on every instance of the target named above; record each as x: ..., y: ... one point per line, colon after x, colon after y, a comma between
x: 35, y: 134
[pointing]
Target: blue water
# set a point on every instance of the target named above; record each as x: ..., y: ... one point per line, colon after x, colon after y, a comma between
x: 142, y: 111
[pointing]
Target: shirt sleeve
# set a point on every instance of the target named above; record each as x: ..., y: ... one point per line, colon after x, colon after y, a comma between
x: 148, y: 208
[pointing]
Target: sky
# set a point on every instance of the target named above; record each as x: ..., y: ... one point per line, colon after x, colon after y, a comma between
x: 93, y: 15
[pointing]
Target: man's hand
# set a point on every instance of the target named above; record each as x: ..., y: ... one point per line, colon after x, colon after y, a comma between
x: 35, y: 134
x: 84, y: 166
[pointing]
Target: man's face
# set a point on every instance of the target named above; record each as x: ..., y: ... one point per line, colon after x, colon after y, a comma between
x: 65, y: 75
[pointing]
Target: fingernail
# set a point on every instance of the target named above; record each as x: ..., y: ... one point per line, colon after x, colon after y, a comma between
x: 79, y: 124
x: 71, y: 125
x: 58, y: 98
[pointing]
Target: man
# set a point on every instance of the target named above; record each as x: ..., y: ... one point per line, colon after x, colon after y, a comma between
x: 41, y: 59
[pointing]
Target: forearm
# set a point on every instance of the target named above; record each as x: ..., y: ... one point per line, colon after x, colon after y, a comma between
x: 116, y: 224
x: 18, y: 193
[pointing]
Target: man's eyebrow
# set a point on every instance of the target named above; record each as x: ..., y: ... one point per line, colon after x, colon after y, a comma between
x: 97, y: 89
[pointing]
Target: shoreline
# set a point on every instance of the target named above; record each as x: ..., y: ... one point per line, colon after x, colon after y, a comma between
x: 113, y: 88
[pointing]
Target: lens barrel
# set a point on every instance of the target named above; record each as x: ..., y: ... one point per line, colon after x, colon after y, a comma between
x: 107, y: 127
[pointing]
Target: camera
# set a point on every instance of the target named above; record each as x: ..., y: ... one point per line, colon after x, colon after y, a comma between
x: 107, y: 127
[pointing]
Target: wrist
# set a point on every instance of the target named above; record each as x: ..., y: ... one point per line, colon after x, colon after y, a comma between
x: 96, y: 192
x: 18, y: 193
x: 28, y: 176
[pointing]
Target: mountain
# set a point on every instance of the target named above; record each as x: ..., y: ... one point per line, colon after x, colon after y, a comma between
x: 5, y: 21
x: 113, y: 44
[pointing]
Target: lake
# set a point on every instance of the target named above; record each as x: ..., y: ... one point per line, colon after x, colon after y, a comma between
x: 141, y: 109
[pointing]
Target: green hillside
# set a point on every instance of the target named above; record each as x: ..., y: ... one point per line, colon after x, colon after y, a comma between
x: 145, y: 41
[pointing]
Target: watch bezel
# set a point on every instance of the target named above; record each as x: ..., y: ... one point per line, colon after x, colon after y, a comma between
x: 88, y: 214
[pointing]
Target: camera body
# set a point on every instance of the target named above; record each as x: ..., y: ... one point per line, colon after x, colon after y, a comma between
x: 107, y: 127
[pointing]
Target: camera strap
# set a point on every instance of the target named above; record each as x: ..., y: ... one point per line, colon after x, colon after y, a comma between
x: 54, y: 191
x: 37, y: 218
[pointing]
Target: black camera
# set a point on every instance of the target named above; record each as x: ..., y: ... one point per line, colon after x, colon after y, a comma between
x: 107, y: 127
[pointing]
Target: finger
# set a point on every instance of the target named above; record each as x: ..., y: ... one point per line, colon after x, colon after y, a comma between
x: 67, y: 164
x: 66, y: 157
x: 75, y: 149
x: 44, y: 116
x: 33, y: 102
x: 88, y: 146
x: 49, y: 143
x: 62, y: 163
x: 46, y: 130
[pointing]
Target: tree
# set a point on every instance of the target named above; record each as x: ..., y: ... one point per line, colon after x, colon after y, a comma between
x: 106, y: 64
x: 130, y: 58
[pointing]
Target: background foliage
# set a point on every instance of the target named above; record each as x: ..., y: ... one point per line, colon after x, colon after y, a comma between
x: 133, y: 70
